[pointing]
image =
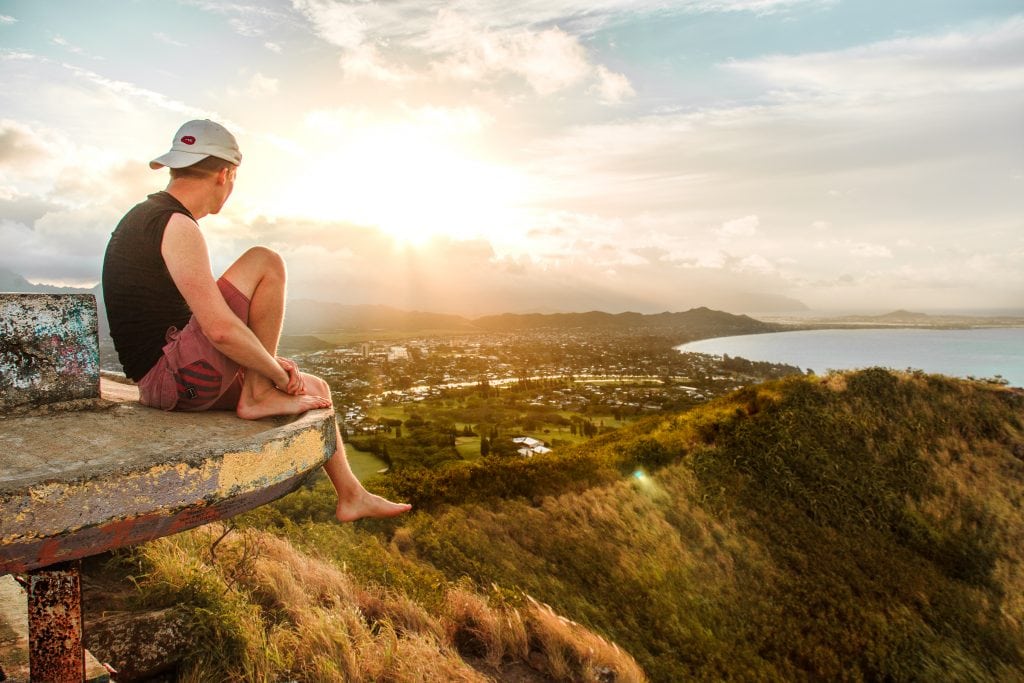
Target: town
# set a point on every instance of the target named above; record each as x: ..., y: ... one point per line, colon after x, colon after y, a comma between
x: 429, y: 400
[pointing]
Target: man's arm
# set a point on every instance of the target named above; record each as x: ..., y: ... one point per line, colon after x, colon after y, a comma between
x: 188, y: 261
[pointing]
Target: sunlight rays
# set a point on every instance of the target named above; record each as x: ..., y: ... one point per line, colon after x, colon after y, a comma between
x: 406, y: 179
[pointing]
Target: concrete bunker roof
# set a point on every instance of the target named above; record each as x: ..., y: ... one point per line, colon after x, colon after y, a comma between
x: 77, y: 482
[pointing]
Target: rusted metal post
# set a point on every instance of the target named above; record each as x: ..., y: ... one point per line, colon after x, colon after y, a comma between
x: 55, y: 647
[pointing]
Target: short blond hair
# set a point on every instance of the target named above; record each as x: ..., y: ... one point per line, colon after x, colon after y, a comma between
x: 211, y: 165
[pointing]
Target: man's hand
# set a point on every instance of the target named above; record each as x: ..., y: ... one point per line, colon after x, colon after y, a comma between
x: 296, y: 384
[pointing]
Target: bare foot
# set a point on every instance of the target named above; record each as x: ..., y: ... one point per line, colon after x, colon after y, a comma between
x: 271, y: 402
x: 366, y: 504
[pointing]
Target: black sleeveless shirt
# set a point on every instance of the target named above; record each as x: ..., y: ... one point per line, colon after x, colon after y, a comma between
x: 142, y: 300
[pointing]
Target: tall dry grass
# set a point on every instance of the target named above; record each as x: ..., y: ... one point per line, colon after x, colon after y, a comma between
x: 264, y: 610
x: 573, y: 653
x: 274, y: 613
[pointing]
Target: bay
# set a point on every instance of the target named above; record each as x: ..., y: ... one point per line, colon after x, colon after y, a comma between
x: 977, y: 352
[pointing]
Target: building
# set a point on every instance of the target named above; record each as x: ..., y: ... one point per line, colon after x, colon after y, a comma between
x: 530, y: 446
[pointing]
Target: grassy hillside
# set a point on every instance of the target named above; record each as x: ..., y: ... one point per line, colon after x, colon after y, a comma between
x: 864, y: 526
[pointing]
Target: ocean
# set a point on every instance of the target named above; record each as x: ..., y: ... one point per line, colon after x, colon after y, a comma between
x: 979, y: 352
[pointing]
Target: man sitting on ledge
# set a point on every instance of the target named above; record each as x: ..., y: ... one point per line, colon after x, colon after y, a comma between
x: 194, y: 343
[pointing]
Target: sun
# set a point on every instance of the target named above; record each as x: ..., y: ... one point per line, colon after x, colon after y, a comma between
x: 409, y: 182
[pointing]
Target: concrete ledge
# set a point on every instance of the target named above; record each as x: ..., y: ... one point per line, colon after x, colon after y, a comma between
x: 79, y: 482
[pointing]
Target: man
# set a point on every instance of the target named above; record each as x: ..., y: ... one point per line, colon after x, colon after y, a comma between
x: 191, y: 342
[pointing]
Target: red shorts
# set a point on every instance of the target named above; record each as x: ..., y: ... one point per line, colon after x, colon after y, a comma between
x: 192, y: 374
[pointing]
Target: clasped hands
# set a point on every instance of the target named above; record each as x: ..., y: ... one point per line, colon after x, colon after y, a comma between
x: 296, y: 384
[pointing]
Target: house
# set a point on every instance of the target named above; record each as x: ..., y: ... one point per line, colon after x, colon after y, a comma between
x: 530, y: 446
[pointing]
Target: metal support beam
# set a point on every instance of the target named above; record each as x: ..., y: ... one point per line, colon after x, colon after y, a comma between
x: 56, y: 654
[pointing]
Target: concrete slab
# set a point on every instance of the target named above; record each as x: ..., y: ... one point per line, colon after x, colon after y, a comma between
x: 81, y: 478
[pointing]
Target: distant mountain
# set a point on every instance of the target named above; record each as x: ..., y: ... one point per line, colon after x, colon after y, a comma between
x: 902, y: 315
x: 904, y: 318
x: 693, y: 324
x: 13, y: 282
x: 317, y: 317
x: 311, y: 317
x: 307, y: 317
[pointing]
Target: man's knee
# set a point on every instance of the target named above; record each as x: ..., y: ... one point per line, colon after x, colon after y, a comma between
x: 269, y: 260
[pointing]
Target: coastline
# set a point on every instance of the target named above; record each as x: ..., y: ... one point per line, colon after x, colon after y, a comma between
x: 980, y: 352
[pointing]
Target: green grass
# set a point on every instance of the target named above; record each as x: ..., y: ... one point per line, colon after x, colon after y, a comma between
x: 364, y: 464
x: 397, y: 412
x: 860, y: 528
x: 468, y: 447
x: 863, y: 526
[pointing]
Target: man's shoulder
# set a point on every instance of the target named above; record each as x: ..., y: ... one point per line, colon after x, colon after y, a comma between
x: 182, y: 230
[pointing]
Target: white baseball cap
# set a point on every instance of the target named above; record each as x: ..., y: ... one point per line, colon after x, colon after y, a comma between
x: 197, y: 140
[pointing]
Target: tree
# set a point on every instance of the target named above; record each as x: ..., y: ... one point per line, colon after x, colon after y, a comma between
x: 485, y: 445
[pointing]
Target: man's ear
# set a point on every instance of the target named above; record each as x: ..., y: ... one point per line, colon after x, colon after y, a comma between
x: 222, y: 176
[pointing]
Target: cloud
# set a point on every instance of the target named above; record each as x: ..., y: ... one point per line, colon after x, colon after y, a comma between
x: 273, y: 47
x: 259, y: 86
x: 856, y: 248
x: 245, y: 27
x: 20, y: 145
x: 486, y: 48
x: 62, y: 42
x: 892, y: 154
x: 567, y: 271
x: 366, y: 61
x: 64, y: 246
x: 613, y: 87
x: 336, y: 22
x: 413, y: 19
x: 250, y: 19
x: 918, y: 162
x: 139, y: 94
x: 549, y: 60
x: 6, y: 20
x: 740, y: 227
x: 756, y: 6
x: 167, y: 40
x: 756, y: 263
x: 985, y: 57
x: 867, y: 250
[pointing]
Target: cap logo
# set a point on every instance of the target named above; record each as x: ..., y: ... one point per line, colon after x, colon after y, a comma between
x: 188, y: 140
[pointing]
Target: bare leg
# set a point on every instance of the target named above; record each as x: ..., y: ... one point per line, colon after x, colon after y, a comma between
x: 259, y: 274
x: 354, y: 501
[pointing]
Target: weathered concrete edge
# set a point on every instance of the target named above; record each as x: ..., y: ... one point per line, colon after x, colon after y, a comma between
x: 49, y: 509
x: 195, y: 457
x: 22, y: 557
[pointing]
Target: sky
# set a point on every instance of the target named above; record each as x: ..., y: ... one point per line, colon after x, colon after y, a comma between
x: 485, y: 156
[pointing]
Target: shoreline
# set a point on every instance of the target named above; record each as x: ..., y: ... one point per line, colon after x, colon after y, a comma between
x: 949, y: 359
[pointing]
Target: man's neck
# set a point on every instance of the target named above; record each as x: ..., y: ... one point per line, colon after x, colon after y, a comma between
x: 193, y: 194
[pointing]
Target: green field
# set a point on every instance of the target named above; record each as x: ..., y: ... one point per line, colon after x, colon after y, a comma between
x: 390, y: 412
x: 468, y: 447
x: 364, y: 465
